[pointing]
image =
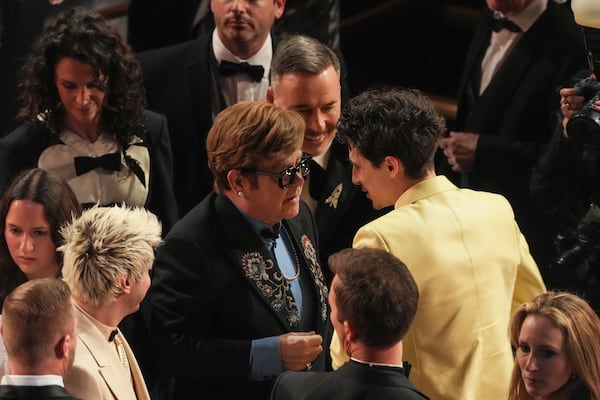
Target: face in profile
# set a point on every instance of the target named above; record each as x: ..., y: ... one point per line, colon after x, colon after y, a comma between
x: 267, y: 201
x: 318, y: 99
x: 28, y: 237
x: 81, y: 93
x: 374, y: 181
x: 139, y: 288
x: 542, y: 357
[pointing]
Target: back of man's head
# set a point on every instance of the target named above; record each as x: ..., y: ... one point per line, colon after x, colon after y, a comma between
x: 105, y: 244
x: 375, y: 293
x: 37, y: 318
x: 401, y: 123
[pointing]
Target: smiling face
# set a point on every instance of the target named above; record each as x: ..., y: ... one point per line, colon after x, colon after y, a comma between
x: 318, y: 99
x: 542, y: 357
x: 266, y: 201
x: 29, y: 240
x: 81, y: 93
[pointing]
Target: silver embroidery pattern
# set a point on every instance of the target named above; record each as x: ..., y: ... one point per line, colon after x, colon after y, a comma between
x: 271, y: 284
x: 311, y: 255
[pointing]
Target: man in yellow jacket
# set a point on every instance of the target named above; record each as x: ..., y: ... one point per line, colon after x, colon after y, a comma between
x: 464, y: 249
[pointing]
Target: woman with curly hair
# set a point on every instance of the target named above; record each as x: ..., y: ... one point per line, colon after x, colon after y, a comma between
x: 83, y: 103
x: 557, y: 341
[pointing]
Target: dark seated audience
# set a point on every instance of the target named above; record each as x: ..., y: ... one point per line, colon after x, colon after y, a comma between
x: 38, y: 326
x: 373, y: 300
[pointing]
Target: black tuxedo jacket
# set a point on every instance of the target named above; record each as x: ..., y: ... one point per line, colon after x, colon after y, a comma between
x: 10, y: 392
x: 21, y: 149
x: 515, y: 114
x: 352, y: 380
x: 340, y: 214
x: 216, y: 287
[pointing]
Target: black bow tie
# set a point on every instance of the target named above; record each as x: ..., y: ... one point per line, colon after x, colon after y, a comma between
x: 499, y: 23
x: 111, y: 162
x: 255, y: 72
x: 112, y: 335
x: 272, y: 233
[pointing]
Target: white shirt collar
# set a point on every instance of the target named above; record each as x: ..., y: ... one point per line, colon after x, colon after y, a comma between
x: 262, y: 57
x: 32, y: 380
x: 526, y: 18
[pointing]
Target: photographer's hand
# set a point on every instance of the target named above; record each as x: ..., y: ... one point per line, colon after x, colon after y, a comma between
x: 570, y: 104
x: 460, y: 150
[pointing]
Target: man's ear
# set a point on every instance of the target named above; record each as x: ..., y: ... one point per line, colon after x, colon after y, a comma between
x: 393, y: 166
x: 270, y: 97
x: 349, y: 332
x: 125, y: 283
x: 61, y: 350
x: 235, y: 180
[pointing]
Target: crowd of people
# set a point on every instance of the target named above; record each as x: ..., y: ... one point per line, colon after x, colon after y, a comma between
x: 217, y: 218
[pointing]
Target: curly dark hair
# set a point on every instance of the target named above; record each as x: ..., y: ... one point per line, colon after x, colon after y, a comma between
x: 395, y: 122
x: 87, y: 37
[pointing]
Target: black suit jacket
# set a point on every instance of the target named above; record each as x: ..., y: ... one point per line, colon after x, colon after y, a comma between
x: 214, y: 290
x: 181, y: 82
x: 515, y: 114
x: 21, y: 149
x: 337, y: 222
x: 352, y: 380
x: 10, y: 392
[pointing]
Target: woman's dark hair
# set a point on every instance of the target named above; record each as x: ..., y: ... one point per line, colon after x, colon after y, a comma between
x: 87, y: 37
x: 60, y: 205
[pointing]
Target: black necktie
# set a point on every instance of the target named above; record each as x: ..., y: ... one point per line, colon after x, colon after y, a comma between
x: 111, y: 162
x: 255, y: 72
x: 317, y: 179
x: 497, y: 24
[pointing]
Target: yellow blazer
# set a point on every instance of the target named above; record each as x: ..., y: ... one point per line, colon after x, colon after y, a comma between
x: 473, y: 269
x: 97, y: 372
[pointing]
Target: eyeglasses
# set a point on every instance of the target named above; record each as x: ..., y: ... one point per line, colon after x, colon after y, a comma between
x: 287, y: 176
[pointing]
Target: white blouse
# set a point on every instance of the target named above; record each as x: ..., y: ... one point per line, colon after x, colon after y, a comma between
x: 99, y: 185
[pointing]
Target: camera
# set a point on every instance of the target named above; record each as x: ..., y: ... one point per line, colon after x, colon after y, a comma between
x: 584, y: 127
x: 577, y: 269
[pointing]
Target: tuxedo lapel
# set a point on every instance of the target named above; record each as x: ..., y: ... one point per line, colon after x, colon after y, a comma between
x: 250, y: 257
x: 204, y: 84
x: 306, y: 250
x: 481, y: 40
x: 139, y: 384
x: 337, y: 193
x: 105, y: 355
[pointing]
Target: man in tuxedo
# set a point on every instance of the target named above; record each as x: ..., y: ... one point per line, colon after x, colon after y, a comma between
x: 192, y: 82
x: 238, y: 295
x: 521, y: 53
x: 107, y: 257
x: 373, y: 300
x: 306, y: 77
x: 466, y: 253
x: 38, y: 329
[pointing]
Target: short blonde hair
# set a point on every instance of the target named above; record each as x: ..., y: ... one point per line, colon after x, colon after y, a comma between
x: 104, y: 244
